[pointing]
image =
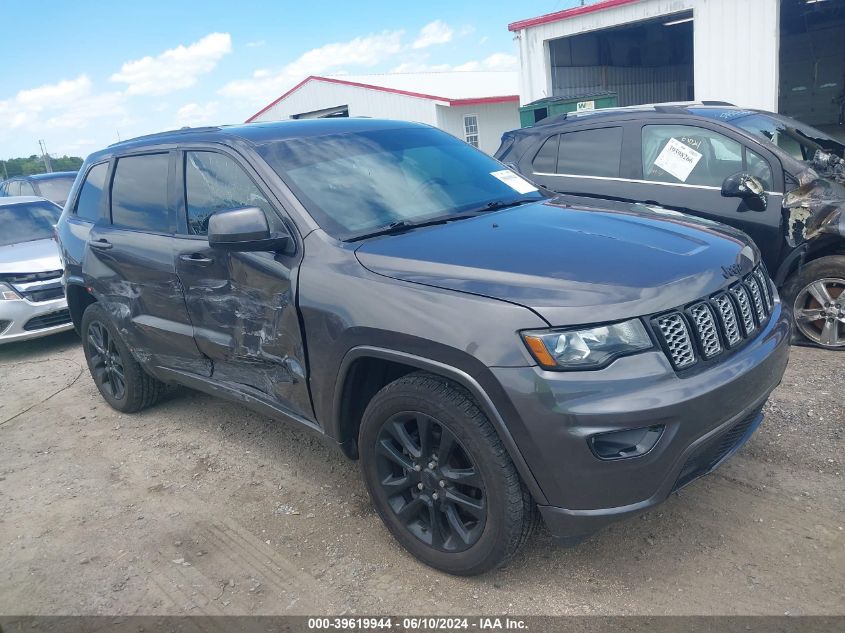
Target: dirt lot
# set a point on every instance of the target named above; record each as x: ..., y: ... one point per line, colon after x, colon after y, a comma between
x: 198, y: 506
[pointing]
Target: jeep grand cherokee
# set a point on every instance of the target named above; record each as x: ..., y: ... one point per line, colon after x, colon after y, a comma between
x: 487, y: 352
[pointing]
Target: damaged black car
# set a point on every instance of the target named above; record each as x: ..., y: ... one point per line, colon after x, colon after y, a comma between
x: 780, y: 181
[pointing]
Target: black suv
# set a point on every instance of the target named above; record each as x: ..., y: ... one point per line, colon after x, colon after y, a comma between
x: 53, y: 186
x: 778, y: 180
x: 483, y: 349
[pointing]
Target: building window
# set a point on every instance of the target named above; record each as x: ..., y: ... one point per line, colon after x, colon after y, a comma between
x: 471, y: 129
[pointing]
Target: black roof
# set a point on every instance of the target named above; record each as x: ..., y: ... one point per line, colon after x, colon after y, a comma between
x: 262, y: 132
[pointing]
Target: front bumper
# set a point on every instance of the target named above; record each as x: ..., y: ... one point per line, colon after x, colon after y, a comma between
x: 22, y: 319
x: 706, y: 417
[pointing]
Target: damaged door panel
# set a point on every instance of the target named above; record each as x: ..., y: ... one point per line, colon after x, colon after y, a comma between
x: 241, y: 304
x: 130, y: 258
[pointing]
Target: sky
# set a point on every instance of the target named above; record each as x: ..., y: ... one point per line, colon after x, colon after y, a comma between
x: 89, y: 73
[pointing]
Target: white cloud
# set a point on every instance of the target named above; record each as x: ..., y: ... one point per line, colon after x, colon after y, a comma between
x: 65, y: 104
x: 366, y: 52
x: 437, y: 32
x: 88, y: 108
x: 58, y: 94
x: 175, y: 68
x: 256, y: 44
x: 194, y: 114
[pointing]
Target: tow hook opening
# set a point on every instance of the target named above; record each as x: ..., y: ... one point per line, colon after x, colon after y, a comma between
x: 625, y: 444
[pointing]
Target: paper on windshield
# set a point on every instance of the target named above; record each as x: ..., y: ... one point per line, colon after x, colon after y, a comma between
x: 678, y: 159
x: 514, y: 181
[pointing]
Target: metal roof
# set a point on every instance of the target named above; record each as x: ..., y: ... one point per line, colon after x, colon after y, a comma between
x: 557, y: 16
x: 452, y: 88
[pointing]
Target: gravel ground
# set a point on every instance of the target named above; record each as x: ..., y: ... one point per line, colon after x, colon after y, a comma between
x: 198, y: 506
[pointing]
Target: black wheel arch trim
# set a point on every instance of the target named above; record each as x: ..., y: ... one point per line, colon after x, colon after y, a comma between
x: 447, y: 371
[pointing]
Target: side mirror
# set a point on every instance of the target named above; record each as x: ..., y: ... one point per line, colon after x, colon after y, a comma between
x: 246, y: 229
x: 746, y: 187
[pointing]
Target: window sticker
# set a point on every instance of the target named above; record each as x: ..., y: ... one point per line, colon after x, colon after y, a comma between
x: 514, y: 181
x: 678, y: 159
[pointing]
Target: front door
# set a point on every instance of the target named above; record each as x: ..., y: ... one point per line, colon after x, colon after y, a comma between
x: 242, y: 304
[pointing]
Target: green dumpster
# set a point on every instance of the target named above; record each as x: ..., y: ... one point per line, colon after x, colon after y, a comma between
x: 552, y: 106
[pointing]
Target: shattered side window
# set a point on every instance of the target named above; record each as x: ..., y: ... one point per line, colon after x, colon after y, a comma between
x: 214, y: 182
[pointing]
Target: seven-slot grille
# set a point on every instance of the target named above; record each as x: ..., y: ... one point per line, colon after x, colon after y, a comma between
x: 709, y: 327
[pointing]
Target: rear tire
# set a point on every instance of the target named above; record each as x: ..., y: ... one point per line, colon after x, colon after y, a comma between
x: 121, y: 380
x: 440, y: 478
x: 815, y: 296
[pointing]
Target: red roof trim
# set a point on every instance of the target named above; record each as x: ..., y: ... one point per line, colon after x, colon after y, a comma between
x: 567, y: 13
x: 419, y: 95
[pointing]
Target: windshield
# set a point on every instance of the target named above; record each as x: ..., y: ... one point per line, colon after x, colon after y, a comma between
x: 27, y: 222
x: 55, y: 189
x: 357, y: 183
x: 798, y: 140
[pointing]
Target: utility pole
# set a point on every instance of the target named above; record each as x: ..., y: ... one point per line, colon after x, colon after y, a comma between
x: 45, y: 157
x: 5, y: 173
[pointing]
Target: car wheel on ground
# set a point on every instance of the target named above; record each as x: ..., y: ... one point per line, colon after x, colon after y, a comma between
x: 118, y: 376
x: 440, y: 478
x: 816, y: 296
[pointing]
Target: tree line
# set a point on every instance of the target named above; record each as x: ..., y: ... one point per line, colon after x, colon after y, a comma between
x: 35, y: 165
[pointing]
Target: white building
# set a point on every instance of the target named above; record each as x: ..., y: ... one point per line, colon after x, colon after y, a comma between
x: 780, y: 55
x: 474, y: 106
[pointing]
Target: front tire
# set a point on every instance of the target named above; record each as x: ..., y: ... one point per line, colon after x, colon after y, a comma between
x: 816, y: 297
x: 122, y: 382
x: 440, y: 478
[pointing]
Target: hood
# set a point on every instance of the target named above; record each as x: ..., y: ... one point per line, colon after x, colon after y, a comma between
x: 571, y: 265
x: 38, y: 256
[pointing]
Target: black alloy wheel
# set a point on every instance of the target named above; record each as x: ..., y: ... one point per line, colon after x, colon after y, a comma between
x: 106, y: 363
x: 120, y: 379
x: 431, y: 482
x: 440, y: 478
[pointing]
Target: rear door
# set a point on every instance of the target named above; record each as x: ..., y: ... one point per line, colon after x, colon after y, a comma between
x: 581, y: 160
x: 242, y: 304
x: 130, y: 263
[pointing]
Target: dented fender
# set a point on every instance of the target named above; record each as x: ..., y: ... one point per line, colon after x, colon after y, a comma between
x: 815, y: 208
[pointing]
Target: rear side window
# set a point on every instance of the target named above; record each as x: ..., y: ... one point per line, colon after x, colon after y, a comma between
x: 545, y: 162
x: 214, y: 182
x: 139, y: 193
x: 591, y: 152
x: 89, y: 203
x: 26, y: 189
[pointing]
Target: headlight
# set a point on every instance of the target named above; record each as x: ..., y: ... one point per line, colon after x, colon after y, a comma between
x: 587, y: 348
x: 7, y: 293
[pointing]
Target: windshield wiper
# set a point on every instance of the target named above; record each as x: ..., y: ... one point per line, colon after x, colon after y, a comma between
x: 401, y: 226
x: 495, y: 205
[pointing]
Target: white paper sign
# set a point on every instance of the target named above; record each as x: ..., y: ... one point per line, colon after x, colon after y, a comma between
x: 678, y: 159
x: 585, y: 106
x: 514, y: 181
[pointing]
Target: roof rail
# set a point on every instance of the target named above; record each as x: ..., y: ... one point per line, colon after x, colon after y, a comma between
x: 718, y: 103
x: 184, y: 130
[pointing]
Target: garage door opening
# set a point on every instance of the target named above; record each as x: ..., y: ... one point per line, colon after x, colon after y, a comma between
x: 812, y: 62
x: 646, y: 62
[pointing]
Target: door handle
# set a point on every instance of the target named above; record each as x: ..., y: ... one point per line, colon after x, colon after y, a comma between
x: 196, y: 258
x: 101, y: 244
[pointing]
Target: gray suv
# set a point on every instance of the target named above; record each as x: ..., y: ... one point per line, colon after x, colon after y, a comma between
x: 490, y: 354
